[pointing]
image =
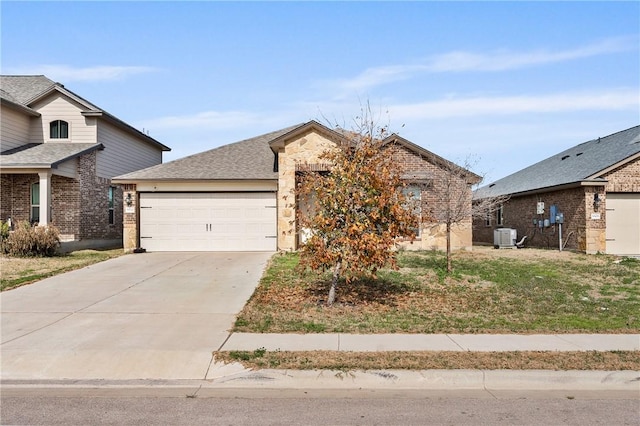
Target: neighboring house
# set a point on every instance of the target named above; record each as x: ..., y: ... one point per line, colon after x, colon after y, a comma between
x: 58, y: 154
x: 240, y: 196
x: 595, y: 185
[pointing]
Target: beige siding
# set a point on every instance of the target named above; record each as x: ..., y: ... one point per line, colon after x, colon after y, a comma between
x: 67, y: 169
x: 15, y: 128
x: 59, y: 107
x: 123, y: 153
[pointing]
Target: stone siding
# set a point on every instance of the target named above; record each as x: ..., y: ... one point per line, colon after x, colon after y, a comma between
x: 130, y: 218
x: 306, y: 149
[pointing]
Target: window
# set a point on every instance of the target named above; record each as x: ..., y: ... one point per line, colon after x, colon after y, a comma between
x: 35, y: 202
x: 487, y: 220
x: 500, y: 215
x: 59, y: 129
x: 414, y: 197
x: 112, y: 191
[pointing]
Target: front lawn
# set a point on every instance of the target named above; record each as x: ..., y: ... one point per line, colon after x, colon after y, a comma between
x: 17, y: 271
x: 490, y: 291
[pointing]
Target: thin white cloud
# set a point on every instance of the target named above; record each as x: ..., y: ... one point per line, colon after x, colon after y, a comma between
x: 616, y: 99
x: 66, y: 73
x: 220, y: 120
x: 500, y: 60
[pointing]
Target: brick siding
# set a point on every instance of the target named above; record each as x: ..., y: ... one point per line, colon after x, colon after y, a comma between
x: 79, y: 207
x: 585, y: 226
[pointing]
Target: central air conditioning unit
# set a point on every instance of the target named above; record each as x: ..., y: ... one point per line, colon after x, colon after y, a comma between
x: 505, y: 238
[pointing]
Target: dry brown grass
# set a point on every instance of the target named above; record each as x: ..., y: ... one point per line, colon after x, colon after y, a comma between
x: 17, y: 271
x: 525, y: 360
x: 490, y: 291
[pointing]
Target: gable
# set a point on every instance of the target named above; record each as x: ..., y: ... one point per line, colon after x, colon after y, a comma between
x: 584, y: 163
x: 57, y: 106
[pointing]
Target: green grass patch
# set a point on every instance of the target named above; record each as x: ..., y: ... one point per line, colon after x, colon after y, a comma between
x: 490, y: 291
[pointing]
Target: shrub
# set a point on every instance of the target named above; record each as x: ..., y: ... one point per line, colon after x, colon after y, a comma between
x: 32, y: 241
x: 4, y: 234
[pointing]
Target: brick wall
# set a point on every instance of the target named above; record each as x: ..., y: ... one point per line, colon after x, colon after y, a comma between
x: 65, y: 206
x: 94, y: 208
x: 625, y: 178
x: 585, y: 226
x: 16, y: 196
x: 443, y: 192
x: 581, y: 231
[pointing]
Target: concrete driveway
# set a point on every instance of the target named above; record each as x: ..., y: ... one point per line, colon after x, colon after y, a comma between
x: 140, y: 316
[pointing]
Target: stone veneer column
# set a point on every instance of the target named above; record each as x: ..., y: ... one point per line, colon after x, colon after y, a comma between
x: 304, y: 150
x: 130, y: 217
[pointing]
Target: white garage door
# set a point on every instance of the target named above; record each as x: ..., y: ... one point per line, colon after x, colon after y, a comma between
x: 208, y: 221
x: 623, y: 224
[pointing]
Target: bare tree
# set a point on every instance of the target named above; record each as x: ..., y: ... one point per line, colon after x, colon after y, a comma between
x: 458, y: 207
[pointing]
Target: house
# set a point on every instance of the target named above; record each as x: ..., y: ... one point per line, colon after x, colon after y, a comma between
x: 240, y: 196
x: 588, y: 195
x: 57, y: 157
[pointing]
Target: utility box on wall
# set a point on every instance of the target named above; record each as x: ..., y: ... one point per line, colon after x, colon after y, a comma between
x: 505, y: 238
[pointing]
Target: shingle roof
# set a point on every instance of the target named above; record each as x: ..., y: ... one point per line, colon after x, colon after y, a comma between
x: 577, y: 164
x: 23, y: 88
x: 44, y: 155
x: 250, y: 159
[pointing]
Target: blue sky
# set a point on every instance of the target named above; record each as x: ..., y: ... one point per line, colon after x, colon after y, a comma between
x: 504, y: 84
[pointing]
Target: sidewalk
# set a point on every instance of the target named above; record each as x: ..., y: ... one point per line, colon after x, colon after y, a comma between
x: 432, y: 342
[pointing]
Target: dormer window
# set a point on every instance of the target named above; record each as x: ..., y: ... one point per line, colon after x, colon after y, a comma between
x: 59, y: 129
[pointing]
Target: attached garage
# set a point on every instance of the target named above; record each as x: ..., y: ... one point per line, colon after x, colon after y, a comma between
x: 208, y: 221
x: 623, y: 223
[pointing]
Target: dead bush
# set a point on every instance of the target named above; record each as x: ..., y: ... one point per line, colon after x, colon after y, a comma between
x: 32, y: 241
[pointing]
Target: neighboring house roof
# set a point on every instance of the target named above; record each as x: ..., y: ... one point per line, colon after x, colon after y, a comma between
x: 23, y: 88
x: 582, y: 163
x: 44, y: 155
x: 27, y: 89
x: 250, y: 159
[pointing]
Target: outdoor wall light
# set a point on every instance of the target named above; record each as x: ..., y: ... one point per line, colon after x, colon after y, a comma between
x: 596, y: 201
x: 129, y: 200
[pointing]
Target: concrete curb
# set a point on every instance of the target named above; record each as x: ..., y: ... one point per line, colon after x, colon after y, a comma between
x: 388, y: 380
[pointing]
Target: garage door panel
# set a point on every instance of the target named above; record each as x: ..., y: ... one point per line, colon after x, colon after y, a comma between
x: 208, y: 221
x: 623, y: 223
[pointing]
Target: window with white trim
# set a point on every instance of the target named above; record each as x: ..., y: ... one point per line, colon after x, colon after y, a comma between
x: 487, y: 219
x: 59, y: 129
x: 35, y: 203
x: 111, y: 196
x: 413, y: 193
x: 500, y: 215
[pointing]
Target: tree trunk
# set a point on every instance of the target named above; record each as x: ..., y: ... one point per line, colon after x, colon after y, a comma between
x: 334, y: 284
x: 449, y: 269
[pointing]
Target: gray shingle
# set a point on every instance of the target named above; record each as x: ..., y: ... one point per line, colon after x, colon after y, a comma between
x: 44, y: 154
x: 25, y: 87
x: 576, y: 164
x: 250, y: 159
